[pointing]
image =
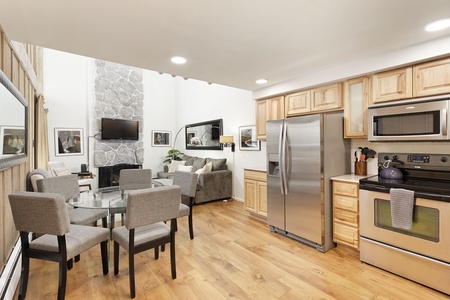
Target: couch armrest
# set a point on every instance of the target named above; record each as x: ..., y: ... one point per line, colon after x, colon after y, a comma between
x: 216, y: 185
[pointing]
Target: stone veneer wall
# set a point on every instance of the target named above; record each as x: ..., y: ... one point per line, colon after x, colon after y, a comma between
x: 118, y: 94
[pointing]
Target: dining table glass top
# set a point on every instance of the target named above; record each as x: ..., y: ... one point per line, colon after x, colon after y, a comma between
x: 106, y: 197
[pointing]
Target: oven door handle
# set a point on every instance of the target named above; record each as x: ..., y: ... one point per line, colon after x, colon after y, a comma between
x: 425, y: 195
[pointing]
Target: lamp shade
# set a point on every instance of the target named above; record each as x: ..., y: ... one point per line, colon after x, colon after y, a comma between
x: 226, y: 139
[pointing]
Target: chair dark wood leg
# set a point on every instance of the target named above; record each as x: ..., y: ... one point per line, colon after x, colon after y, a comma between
x: 157, y: 252
x: 131, y: 264
x: 62, y: 267
x: 172, y: 250
x: 163, y: 248
x: 104, y: 251
x: 123, y: 219
x: 77, y: 257
x: 176, y: 225
x: 116, y: 258
x: 191, y: 226
x: 105, y: 222
x: 25, y: 265
x: 70, y: 264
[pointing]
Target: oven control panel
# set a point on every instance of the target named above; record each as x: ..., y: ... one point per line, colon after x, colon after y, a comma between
x: 416, y: 158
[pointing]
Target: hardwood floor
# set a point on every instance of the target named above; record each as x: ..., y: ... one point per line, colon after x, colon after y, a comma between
x: 234, y: 256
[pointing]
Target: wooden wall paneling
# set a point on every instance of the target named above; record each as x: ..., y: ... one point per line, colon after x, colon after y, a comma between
x: 7, y: 58
x: 15, y: 70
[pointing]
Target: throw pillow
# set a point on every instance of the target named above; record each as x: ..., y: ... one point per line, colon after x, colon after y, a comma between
x: 199, y: 171
x: 217, y: 163
x: 61, y: 171
x: 207, y: 167
x: 184, y: 168
x: 174, y: 165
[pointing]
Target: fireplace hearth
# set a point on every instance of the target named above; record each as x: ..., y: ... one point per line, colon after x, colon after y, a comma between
x: 110, y: 175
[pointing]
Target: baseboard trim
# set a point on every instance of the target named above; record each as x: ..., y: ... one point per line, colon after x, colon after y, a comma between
x: 10, y: 276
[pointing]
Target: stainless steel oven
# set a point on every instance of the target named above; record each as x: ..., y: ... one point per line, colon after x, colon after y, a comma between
x: 421, y: 253
x: 415, y: 120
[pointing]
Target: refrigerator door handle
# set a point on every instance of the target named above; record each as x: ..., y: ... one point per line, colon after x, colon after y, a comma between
x: 280, y: 158
x: 285, y: 160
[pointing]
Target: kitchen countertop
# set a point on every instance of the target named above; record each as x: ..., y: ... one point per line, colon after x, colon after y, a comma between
x: 351, y: 177
x: 257, y: 168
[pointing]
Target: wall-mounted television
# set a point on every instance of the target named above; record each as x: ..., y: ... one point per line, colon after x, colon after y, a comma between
x: 119, y: 129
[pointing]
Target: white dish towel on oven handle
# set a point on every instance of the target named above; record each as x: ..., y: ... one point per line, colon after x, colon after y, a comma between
x: 402, y: 206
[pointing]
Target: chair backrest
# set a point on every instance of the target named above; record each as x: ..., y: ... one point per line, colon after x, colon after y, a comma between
x: 40, y: 212
x: 58, y: 168
x: 153, y: 205
x: 187, y: 181
x: 134, y: 179
x: 35, y: 175
x: 64, y: 185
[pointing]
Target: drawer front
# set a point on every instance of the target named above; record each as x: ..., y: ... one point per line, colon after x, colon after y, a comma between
x: 345, y: 188
x: 345, y: 202
x: 347, y: 217
x: 255, y: 175
x: 346, y: 235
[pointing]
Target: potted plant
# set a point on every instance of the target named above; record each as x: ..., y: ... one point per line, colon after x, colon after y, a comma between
x: 173, y: 154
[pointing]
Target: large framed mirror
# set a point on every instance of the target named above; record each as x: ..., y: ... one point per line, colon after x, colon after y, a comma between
x: 13, y: 125
x: 204, y: 135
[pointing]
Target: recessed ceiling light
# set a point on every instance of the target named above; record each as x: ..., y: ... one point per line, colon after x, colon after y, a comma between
x: 178, y: 60
x: 438, y: 25
x: 261, y: 81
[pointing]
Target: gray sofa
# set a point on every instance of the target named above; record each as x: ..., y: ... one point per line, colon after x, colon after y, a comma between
x: 214, y: 185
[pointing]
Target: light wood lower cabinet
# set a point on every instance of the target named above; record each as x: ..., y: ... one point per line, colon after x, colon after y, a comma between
x: 255, y: 192
x: 346, y: 213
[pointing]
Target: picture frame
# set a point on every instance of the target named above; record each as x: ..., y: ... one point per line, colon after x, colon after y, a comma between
x: 69, y: 141
x: 247, y: 138
x: 161, y: 138
x: 12, y: 141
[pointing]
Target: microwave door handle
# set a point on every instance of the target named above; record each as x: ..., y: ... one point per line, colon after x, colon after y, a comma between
x: 280, y: 158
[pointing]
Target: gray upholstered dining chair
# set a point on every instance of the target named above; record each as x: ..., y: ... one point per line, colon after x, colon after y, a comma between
x: 145, y: 228
x: 60, y: 241
x: 187, y: 181
x: 131, y: 179
x: 67, y: 186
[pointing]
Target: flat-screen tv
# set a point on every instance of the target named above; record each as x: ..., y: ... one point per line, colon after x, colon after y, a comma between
x: 119, y: 129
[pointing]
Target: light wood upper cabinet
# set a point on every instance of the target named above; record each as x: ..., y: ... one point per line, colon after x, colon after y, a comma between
x: 356, y: 100
x: 432, y: 78
x: 298, y: 103
x: 326, y: 97
x: 268, y: 109
x: 392, y: 85
x: 262, y: 114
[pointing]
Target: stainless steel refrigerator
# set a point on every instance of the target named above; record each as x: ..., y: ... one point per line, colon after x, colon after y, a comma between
x: 302, y: 154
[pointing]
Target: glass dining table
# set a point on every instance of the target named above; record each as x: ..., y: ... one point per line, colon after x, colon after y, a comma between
x: 106, y: 197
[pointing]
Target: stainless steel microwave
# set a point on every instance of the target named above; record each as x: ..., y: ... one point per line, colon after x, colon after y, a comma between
x: 409, y: 121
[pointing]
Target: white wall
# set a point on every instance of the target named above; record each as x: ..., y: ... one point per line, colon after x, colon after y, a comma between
x: 66, y: 97
x: 169, y: 104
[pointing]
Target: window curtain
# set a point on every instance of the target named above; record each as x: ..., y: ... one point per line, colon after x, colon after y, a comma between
x: 41, y: 135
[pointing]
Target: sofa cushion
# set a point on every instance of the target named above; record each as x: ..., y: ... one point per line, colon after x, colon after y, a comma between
x: 217, y: 163
x: 206, y: 168
x: 198, y: 163
x: 174, y: 165
x: 184, y: 168
x: 189, y: 160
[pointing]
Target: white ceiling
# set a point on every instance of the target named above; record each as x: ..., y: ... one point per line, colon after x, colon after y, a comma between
x: 229, y: 42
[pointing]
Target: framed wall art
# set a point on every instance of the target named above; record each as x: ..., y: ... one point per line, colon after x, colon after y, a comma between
x: 247, y: 139
x: 12, y: 140
x: 69, y: 141
x: 161, y: 138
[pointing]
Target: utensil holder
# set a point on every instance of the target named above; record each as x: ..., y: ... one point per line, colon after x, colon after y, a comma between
x: 360, y: 168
